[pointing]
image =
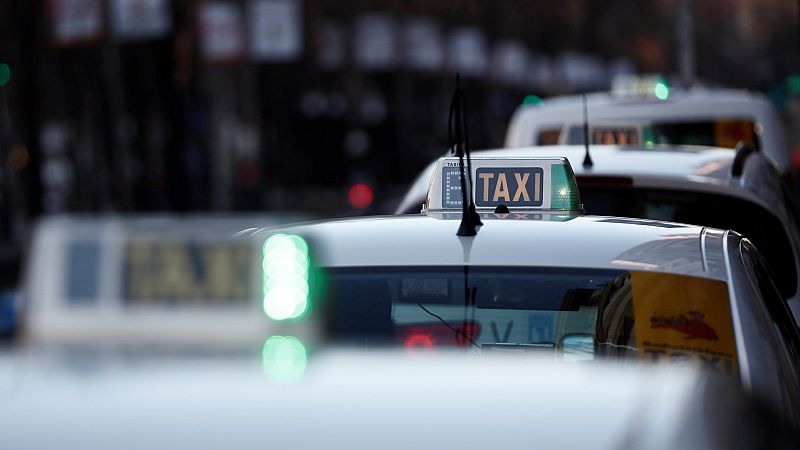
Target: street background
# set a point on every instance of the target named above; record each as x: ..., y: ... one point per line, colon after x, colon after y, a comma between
x: 329, y: 107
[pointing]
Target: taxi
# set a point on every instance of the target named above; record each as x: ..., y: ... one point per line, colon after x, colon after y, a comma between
x: 707, y: 186
x: 699, y: 116
x: 538, y: 277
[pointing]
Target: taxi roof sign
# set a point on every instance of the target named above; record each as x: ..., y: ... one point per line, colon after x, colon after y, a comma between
x: 521, y: 184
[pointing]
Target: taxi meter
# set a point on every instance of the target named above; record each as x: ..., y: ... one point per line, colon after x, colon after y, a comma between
x: 544, y: 183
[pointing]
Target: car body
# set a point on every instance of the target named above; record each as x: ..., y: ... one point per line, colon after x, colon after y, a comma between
x: 715, y: 117
x: 372, y: 399
x: 379, y: 271
x: 757, y: 202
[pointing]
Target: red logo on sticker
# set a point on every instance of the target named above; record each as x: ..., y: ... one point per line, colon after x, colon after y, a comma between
x: 690, y: 323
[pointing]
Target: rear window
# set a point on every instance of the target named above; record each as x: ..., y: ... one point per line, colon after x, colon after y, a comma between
x: 718, y: 133
x: 548, y: 136
x: 574, y: 314
x: 725, y: 133
x: 717, y: 211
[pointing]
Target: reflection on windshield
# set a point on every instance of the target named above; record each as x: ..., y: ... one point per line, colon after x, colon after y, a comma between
x: 575, y: 314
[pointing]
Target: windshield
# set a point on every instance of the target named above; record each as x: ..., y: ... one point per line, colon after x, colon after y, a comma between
x: 711, y: 210
x: 575, y: 314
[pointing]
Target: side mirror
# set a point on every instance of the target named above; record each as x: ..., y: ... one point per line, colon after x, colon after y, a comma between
x: 577, y: 347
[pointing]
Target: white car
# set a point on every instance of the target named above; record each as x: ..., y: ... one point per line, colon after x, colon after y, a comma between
x: 372, y: 400
x: 713, y: 117
x: 681, y: 184
x: 539, y: 277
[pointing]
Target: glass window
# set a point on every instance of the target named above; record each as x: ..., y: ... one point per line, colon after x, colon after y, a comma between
x: 576, y: 314
x: 83, y: 264
x: 717, y: 133
x: 718, y: 211
x: 548, y: 136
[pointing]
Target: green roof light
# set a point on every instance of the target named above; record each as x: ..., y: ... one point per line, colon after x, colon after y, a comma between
x: 532, y: 100
x: 284, y: 358
x: 5, y: 74
x: 793, y: 84
x: 564, y: 189
x: 285, y: 265
x: 661, y: 90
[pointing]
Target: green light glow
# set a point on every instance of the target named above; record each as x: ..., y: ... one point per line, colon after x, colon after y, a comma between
x: 285, y: 265
x: 564, y: 190
x: 532, y: 100
x: 5, y: 74
x: 284, y: 358
x: 661, y: 90
x: 793, y: 84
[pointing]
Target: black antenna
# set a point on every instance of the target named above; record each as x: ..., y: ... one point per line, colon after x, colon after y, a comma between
x: 459, y: 143
x: 587, y: 159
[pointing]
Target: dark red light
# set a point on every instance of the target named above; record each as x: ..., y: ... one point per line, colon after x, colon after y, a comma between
x: 360, y: 195
x: 420, y: 336
x: 419, y: 340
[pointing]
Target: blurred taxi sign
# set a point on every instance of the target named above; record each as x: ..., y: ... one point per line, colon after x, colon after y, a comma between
x: 147, y: 281
x: 190, y: 272
x: 640, y: 86
x: 605, y: 134
x: 517, y: 183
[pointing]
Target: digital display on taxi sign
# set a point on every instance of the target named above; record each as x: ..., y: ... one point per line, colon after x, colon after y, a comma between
x: 187, y: 272
x: 451, y: 188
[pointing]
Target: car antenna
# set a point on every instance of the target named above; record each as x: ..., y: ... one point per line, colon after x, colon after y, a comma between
x: 458, y: 133
x: 587, y: 159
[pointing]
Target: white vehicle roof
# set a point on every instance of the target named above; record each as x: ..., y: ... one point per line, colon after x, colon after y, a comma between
x: 366, y: 400
x: 694, y: 104
x: 706, y: 169
x: 548, y: 240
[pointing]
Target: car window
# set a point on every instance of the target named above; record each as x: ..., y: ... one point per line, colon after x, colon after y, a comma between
x: 717, y: 133
x: 548, y: 136
x: 575, y: 313
x: 711, y: 210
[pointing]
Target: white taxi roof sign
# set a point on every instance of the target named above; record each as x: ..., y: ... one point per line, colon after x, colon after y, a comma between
x: 520, y: 184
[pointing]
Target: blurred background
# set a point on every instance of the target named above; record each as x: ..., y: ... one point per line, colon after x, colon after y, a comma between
x: 324, y: 106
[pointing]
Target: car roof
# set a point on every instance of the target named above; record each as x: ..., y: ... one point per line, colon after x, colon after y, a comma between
x: 547, y: 241
x: 703, y: 162
x: 375, y: 399
x: 689, y: 168
x: 692, y: 104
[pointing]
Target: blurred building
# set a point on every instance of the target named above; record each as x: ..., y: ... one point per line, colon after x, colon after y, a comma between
x: 187, y: 105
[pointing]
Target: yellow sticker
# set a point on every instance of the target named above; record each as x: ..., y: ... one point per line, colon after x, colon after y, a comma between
x: 680, y: 317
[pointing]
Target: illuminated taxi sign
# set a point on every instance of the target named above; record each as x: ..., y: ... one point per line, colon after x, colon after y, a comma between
x: 652, y: 86
x: 518, y: 186
x: 516, y: 183
x: 603, y: 135
x: 188, y: 272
